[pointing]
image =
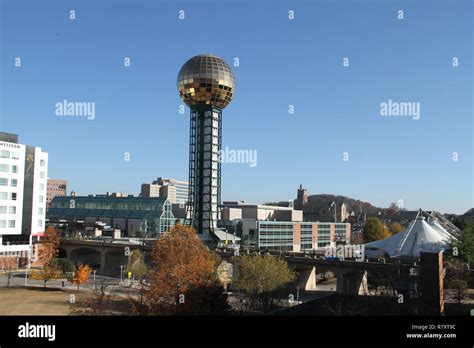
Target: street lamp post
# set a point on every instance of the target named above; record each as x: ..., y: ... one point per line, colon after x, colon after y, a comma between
x: 27, y: 269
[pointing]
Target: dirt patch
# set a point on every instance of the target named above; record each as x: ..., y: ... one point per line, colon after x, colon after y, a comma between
x: 36, y: 301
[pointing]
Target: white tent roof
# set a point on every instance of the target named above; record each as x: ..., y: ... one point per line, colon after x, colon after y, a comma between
x: 222, y: 235
x: 423, y: 234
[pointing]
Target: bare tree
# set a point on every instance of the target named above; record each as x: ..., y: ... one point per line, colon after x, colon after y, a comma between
x: 456, y: 281
x: 100, y: 303
x: 8, y: 264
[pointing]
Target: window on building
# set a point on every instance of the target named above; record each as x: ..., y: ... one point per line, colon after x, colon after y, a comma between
x: 4, y: 154
x: 3, y: 182
x: 40, y: 199
x: 42, y: 163
x: 40, y: 211
x: 41, y: 187
x: 3, y: 209
x: 12, y: 210
x: 4, y: 167
x: 11, y: 223
x: 15, y: 155
x: 40, y: 223
x: 14, y: 169
x: 4, y: 195
x: 3, y: 223
x: 41, y: 174
x: 13, y: 196
x: 14, y: 182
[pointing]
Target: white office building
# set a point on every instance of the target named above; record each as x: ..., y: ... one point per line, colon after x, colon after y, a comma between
x: 175, y: 190
x: 23, y: 191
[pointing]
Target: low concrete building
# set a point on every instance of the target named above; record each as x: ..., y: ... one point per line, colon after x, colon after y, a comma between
x: 276, y: 228
x: 241, y: 210
x: 292, y: 235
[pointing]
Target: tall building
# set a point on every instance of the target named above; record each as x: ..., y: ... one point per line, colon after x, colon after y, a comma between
x: 207, y: 85
x: 301, y: 198
x: 150, y: 190
x: 23, y: 192
x: 319, y: 211
x: 169, y: 191
x: 180, y: 187
x: 175, y: 190
x: 55, y: 188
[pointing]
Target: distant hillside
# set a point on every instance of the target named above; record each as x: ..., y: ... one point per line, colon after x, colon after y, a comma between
x: 460, y: 220
x: 316, y: 202
x: 469, y: 214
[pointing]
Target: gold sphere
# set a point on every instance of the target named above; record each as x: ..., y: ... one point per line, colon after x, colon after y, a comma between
x: 206, y: 80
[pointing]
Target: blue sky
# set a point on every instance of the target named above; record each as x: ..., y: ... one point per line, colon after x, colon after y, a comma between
x: 282, y: 62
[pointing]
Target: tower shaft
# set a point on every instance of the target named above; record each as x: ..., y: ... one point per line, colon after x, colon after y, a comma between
x: 203, y: 209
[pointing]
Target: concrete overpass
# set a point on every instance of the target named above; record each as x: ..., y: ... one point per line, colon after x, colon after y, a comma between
x: 104, y: 255
x: 107, y: 256
x: 351, y: 275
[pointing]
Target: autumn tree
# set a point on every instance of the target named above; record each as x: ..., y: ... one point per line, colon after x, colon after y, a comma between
x: 223, y: 273
x: 393, y: 209
x: 48, y: 252
x: 395, y: 227
x: 261, y: 277
x: 82, y: 275
x: 374, y: 229
x: 65, y: 265
x: 8, y: 264
x: 137, y: 264
x: 183, y: 267
x: 222, y: 270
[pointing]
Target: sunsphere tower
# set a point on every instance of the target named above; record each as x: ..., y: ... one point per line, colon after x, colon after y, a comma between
x: 206, y: 84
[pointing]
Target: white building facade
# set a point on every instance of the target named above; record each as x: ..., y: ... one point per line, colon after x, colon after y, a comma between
x: 23, y: 191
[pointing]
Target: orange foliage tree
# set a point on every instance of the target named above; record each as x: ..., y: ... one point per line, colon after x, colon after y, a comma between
x: 7, y: 265
x: 47, y: 254
x: 374, y: 229
x: 183, y: 265
x: 395, y: 227
x: 82, y: 275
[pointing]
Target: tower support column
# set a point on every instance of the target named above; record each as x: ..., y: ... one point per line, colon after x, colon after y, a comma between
x: 203, y: 209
